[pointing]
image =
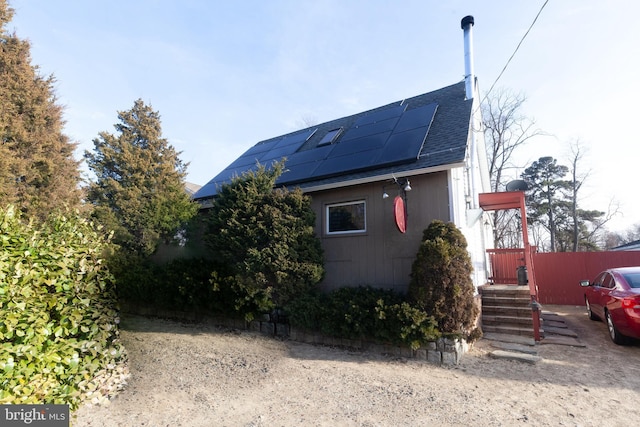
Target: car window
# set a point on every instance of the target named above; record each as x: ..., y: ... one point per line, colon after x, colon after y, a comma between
x: 598, y: 280
x: 608, y: 281
x: 633, y: 279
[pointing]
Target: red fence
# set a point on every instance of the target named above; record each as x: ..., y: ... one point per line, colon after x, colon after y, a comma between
x: 558, y: 274
x: 504, y: 264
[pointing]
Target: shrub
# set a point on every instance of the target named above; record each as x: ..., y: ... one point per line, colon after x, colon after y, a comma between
x: 404, y: 324
x: 188, y: 285
x: 441, y: 281
x: 137, y: 277
x: 352, y: 311
x: 308, y: 311
x: 263, y: 241
x: 59, y: 335
x: 364, y: 313
x: 183, y: 285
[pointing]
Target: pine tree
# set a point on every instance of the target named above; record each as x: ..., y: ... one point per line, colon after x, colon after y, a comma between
x: 548, y: 203
x: 441, y: 281
x: 38, y: 172
x: 139, y: 188
x: 265, y: 240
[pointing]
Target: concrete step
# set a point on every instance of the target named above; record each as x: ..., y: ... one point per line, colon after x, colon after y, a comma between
x: 520, y: 294
x: 510, y: 330
x: 511, y: 346
x: 488, y: 319
x: 562, y: 340
x: 506, y: 301
x: 553, y: 324
x: 517, y: 356
x: 560, y: 331
x: 509, y: 338
x: 513, y: 311
x: 506, y: 290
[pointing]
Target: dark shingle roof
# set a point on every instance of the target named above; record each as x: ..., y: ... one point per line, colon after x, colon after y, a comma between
x: 631, y: 246
x: 422, y: 132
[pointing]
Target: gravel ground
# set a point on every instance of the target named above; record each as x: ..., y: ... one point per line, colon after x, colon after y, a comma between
x: 199, y: 375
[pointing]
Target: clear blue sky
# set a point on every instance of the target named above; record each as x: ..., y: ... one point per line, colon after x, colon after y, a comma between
x: 227, y: 74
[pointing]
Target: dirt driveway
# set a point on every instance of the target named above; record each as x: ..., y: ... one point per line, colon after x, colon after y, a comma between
x: 199, y: 375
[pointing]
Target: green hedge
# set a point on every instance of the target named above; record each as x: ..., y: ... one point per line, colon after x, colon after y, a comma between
x: 59, y: 334
x: 181, y: 285
x: 364, y: 313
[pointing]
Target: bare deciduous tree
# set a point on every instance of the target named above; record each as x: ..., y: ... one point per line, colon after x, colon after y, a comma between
x: 577, y: 179
x: 583, y: 237
x: 505, y: 129
x: 619, y: 238
x: 307, y: 121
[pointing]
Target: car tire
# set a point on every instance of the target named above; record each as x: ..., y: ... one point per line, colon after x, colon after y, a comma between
x: 590, y: 313
x: 615, y: 336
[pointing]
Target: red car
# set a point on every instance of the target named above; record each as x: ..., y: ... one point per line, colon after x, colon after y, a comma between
x: 614, y: 296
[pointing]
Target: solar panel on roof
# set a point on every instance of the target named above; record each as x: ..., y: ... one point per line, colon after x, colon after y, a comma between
x: 296, y: 138
x: 228, y: 174
x: 261, y: 147
x: 244, y: 161
x: 308, y: 156
x: 403, y: 146
x: 272, y: 149
x: 207, y: 190
x: 347, y: 163
x: 376, y: 139
x: 378, y: 115
x: 210, y: 189
x: 369, y: 129
x: 279, y: 152
x: 418, y: 117
x: 371, y: 142
x: 301, y: 172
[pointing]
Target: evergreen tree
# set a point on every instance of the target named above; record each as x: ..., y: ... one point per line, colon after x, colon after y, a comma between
x: 547, y: 198
x: 441, y: 282
x: 264, y: 239
x: 139, y: 188
x: 38, y: 172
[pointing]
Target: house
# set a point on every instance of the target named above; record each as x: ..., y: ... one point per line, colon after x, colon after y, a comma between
x: 191, y: 188
x: 378, y: 178
x: 631, y: 246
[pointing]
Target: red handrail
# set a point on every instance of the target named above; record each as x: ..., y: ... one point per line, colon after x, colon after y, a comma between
x: 515, y: 200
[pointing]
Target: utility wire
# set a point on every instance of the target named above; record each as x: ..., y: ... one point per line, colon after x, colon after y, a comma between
x: 514, y: 52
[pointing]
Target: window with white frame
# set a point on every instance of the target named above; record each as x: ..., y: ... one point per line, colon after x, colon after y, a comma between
x: 348, y: 217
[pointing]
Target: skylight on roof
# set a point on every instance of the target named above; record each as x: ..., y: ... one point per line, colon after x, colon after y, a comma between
x: 330, y: 137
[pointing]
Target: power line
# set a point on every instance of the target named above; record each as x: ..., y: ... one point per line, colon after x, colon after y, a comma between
x: 514, y: 52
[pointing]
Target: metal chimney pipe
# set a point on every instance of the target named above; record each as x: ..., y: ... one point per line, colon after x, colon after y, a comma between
x: 469, y: 74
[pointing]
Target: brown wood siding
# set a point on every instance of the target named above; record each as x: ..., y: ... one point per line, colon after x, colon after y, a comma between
x: 382, y: 256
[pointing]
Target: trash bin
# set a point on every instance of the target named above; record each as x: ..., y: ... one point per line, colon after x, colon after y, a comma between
x: 523, y: 277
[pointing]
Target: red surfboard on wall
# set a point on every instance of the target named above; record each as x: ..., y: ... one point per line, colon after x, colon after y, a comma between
x: 400, y: 214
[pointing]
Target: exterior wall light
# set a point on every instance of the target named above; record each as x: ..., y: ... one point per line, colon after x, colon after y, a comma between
x: 403, y: 186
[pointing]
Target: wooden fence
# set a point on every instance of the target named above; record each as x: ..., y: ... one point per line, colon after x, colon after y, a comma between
x: 558, y: 274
